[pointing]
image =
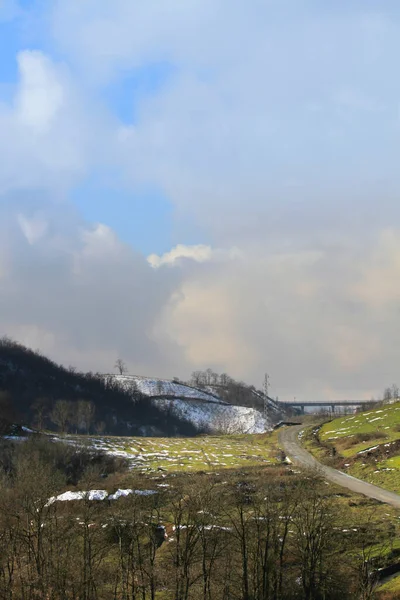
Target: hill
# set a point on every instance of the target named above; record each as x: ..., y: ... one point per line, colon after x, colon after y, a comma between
x: 33, y: 389
x: 203, y: 408
x: 163, y: 388
x: 365, y: 445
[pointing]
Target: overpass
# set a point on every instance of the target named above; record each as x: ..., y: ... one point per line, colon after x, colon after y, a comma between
x: 332, y: 404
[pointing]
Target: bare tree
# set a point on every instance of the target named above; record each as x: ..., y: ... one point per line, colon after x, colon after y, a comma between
x: 85, y: 415
x: 196, y: 378
x: 223, y: 379
x: 100, y: 427
x: 374, y: 542
x: 6, y: 408
x: 314, y: 540
x: 61, y: 414
x: 120, y: 366
x: 40, y: 408
x: 387, y: 393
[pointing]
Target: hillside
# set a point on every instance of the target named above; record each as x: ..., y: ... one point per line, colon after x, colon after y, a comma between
x: 32, y: 388
x: 164, y: 388
x: 202, y: 408
x: 232, y: 391
x: 365, y: 445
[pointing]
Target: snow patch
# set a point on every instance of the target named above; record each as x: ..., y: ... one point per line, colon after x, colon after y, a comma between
x: 97, y: 495
x: 163, y: 387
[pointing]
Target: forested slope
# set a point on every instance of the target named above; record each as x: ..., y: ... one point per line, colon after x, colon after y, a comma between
x: 33, y: 389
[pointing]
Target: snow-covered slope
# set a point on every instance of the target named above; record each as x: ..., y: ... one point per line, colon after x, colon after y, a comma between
x: 217, y: 418
x: 163, y: 387
x: 203, y: 409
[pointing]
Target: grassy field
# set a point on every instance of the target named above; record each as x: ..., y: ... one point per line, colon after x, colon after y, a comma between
x: 383, y: 421
x: 365, y: 445
x: 203, y: 453
x: 390, y: 589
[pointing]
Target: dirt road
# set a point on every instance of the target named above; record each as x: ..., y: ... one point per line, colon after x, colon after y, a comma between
x: 288, y: 438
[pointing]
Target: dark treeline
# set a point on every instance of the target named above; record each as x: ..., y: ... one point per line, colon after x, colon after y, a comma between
x: 279, y: 537
x: 38, y: 392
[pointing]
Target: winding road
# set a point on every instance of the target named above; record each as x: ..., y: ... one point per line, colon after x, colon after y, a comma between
x: 289, y: 441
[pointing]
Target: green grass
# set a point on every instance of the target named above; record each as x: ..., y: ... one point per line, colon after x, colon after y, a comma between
x: 189, y: 454
x: 384, y: 420
x: 391, y: 587
x: 352, y: 435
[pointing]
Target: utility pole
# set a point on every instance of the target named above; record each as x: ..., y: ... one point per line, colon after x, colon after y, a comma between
x: 266, y: 386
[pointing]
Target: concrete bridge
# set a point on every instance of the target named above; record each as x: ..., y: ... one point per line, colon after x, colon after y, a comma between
x: 332, y: 404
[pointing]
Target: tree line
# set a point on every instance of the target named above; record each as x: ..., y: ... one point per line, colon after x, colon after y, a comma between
x: 227, y: 388
x: 391, y: 392
x: 77, y: 416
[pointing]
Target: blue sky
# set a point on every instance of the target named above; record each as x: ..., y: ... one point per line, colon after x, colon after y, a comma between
x: 141, y: 217
x: 10, y: 44
x: 230, y: 169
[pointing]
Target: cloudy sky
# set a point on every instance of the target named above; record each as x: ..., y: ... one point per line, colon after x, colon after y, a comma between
x: 194, y: 183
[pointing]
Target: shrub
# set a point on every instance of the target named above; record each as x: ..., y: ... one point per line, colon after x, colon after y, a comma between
x: 71, y: 462
x: 358, y: 438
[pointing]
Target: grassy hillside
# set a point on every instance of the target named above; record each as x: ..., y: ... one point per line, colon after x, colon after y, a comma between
x: 203, y: 453
x: 365, y: 445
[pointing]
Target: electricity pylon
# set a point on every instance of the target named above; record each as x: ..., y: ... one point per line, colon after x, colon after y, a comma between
x: 266, y: 402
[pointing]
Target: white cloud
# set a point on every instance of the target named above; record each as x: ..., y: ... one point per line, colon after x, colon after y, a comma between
x: 199, y: 253
x: 48, y: 140
x: 105, y: 38
x: 77, y: 292
x: 33, y: 228
x: 309, y: 319
x: 322, y: 323
x: 41, y: 96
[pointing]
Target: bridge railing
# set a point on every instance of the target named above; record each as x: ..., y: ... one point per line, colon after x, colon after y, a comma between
x: 328, y: 403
